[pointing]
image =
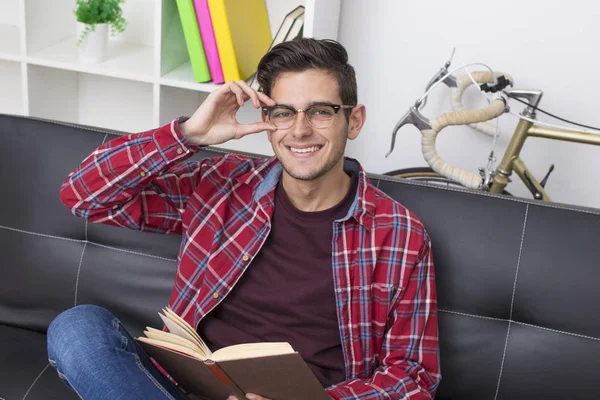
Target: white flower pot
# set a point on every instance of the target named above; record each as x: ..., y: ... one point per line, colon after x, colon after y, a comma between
x: 93, y: 49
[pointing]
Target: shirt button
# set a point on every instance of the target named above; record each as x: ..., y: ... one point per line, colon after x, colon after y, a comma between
x: 179, y: 150
x: 215, y: 295
x: 142, y: 174
x: 246, y: 257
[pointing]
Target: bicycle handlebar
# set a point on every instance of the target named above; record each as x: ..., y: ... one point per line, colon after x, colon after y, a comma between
x: 462, y: 83
x: 462, y: 117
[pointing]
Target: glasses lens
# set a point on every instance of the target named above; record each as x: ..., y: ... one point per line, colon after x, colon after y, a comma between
x: 281, y: 117
x: 320, y: 116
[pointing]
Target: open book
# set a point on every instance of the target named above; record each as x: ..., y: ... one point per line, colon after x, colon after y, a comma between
x: 273, y: 370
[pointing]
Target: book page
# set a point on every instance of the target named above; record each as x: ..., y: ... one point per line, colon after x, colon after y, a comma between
x: 168, y: 337
x: 181, y: 322
x: 251, y: 350
x: 179, y: 327
x: 171, y: 346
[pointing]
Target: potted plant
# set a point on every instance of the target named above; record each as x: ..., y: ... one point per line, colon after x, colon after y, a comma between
x: 94, y: 20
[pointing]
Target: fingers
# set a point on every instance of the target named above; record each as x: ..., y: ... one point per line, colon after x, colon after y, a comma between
x: 249, y: 396
x: 251, y: 93
x: 240, y: 96
x: 266, y: 99
x: 247, y: 129
x: 243, y: 93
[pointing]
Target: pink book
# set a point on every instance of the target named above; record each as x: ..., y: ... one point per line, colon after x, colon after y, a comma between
x: 209, y: 41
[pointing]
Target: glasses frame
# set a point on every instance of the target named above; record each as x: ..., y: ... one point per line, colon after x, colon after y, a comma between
x: 336, y: 108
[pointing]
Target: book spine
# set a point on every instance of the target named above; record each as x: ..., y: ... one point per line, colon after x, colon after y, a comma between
x: 218, y: 14
x: 224, y: 378
x: 214, y: 368
x: 193, y: 40
x: 208, y: 38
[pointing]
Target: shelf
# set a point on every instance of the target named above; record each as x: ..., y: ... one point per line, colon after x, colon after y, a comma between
x: 147, y: 78
x: 90, y: 99
x: 183, y: 77
x: 125, y: 60
x: 11, y: 97
x: 176, y: 102
x: 10, y: 42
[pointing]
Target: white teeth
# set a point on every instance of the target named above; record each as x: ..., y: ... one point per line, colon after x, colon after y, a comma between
x: 306, y: 150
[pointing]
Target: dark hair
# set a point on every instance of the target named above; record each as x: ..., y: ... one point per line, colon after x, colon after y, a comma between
x: 302, y: 54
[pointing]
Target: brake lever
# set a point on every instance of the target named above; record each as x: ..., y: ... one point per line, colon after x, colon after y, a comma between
x: 413, y: 117
x: 450, y: 80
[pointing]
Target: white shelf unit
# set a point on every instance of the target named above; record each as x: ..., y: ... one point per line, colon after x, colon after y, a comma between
x: 146, y: 80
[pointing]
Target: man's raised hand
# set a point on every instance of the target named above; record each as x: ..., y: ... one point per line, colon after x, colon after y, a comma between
x: 215, y: 121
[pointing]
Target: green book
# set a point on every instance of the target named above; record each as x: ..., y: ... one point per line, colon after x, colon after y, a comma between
x: 193, y: 40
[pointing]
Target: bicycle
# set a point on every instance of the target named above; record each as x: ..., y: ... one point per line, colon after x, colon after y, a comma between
x: 490, y: 179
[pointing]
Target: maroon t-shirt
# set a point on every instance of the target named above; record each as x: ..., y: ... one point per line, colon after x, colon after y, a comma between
x: 287, y: 295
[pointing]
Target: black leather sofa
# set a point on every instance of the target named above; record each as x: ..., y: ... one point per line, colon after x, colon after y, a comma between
x: 517, y: 279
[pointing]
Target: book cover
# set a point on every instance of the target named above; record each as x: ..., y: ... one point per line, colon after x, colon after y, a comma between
x: 273, y: 370
x: 242, y: 33
x: 297, y: 28
x: 193, y: 41
x: 208, y: 39
x: 283, y: 33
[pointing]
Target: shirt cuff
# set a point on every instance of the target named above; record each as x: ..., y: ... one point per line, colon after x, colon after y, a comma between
x: 171, y: 144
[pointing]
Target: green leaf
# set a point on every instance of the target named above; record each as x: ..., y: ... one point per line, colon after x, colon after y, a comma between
x: 93, y: 12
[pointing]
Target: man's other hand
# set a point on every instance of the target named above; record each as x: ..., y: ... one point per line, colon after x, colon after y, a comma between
x: 249, y: 396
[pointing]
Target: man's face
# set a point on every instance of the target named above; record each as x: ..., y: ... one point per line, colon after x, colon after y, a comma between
x: 306, y: 152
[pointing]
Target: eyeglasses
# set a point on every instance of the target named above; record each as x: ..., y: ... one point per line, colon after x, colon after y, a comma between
x: 318, y: 116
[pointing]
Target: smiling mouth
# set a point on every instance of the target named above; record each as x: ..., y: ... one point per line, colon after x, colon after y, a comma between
x: 305, y: 150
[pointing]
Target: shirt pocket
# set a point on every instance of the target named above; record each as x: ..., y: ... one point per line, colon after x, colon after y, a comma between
x: 383, y: 298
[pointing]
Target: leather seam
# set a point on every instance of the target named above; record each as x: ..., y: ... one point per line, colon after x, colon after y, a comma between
x: 473, y: 315
x: 132, y: 252
x: 35, y: 381
x: 41, y: 234
x: 79, y: 272
x: 512, y: 301
x: 520, y: 323
x: 85, y: 241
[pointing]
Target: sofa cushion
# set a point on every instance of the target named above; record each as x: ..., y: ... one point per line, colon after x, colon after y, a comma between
x: 39, y: 275
x: 517, y: 290
x: 25, y: 372
x: 35, y: 158
x: 516, y: 279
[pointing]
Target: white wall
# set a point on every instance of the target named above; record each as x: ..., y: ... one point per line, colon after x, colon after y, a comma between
x: 10, y: 12
x: 396, y: 46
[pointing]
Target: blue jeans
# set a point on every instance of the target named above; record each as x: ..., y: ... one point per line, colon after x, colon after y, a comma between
x: 96, y: 357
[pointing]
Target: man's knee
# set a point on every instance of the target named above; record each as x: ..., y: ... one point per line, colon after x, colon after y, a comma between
x: 71, y: 327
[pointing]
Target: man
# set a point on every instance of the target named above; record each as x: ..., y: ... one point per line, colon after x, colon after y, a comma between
x: 299, y: 247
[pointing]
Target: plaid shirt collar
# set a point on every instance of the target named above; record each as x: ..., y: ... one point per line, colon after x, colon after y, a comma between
x: 266, y: 175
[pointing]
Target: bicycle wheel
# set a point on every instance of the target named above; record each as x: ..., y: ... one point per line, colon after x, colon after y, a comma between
x: 427, y: 175
x: 422, y: 174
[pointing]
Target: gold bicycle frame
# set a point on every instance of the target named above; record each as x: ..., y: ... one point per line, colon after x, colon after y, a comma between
x: 512, y: 160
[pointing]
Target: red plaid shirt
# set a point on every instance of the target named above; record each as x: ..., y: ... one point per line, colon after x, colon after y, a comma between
x: 381, y: 256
